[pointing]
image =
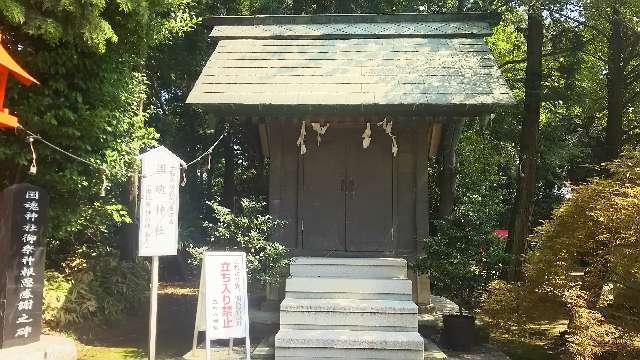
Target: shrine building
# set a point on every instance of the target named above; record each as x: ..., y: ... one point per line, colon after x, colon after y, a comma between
x: 349, y: 110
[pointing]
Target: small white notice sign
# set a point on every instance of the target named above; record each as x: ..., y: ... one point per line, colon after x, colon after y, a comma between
x: 223, y: 306
x: 159, y: 187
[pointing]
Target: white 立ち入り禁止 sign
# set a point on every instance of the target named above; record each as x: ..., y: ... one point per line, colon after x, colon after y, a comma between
x: 223, y: 307
x: 159, y: 186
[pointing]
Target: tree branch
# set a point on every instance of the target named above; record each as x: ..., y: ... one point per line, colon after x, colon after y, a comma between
x: 631, y: 98
x: 598, y: 30
x: 547, y: 54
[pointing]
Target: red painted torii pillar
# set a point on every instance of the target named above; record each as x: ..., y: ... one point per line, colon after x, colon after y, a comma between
x: 10, y: 66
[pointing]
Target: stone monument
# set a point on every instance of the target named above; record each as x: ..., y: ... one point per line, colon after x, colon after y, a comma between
x: 23, y: 221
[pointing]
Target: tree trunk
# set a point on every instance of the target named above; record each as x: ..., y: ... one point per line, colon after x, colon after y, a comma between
x: 615, y: 88
x: 299, y: 7
x: 129, y: 242
x: 206, y: 188
x: 229, y: 186
x: 448, y: 176
x: 462, y: 5
x: 523, y: 206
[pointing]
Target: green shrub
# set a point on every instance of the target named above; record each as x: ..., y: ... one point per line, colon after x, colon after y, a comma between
x: 249, y: 231
x: 120, y: 287
x: 66, y: 300
x: 462, y: 260
x: 464, y: 256
x: 100, y: 289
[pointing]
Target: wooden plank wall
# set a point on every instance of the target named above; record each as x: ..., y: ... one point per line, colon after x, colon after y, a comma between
x: 423, y: 138
x: 283, y: 179
x: 410, y: 187
x: 405, y: 194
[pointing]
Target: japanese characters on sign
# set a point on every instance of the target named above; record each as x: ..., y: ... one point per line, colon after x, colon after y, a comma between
x: 29, y: 237
x: 24, y: 213
x: 226, y: 306
x: 159, y: 186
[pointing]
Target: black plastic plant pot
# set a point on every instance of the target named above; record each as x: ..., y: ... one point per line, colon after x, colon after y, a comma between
x: 459, y: 331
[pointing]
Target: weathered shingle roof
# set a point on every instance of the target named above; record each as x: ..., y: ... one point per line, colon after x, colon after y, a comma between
x: 383, y: 66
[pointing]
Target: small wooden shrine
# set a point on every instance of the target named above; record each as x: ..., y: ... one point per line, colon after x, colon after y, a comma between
x: 349, y: 109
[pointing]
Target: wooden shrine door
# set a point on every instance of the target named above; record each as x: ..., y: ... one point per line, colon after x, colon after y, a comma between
x: 369, y: 205
x: 347, y: 193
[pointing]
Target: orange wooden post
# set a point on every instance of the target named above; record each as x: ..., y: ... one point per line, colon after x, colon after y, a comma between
x: 9, y: 66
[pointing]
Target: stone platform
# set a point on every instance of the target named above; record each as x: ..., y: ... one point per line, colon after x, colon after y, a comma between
x: 48, y: 348
x: 348, y: 308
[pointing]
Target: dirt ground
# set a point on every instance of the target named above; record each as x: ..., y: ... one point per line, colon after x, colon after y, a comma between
x: 128, y: 339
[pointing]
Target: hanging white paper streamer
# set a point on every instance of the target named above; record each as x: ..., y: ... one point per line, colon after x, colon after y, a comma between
x: 366, y: 137
x: 34, y: 166
x: 320, y: 130
x: 387, y: 125
x: 394, y: 146
x: 300, y: 142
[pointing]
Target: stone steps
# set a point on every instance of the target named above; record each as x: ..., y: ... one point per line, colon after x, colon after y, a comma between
x: 348, y: 288
x: 348, y: 314
x: 341, y: 344
x: 341, y: 308
x: 383, y: 268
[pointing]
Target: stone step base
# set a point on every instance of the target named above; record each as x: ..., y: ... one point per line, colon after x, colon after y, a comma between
x: 339, y: 339
x: 346, y: 288
x: 349, y: 306
x: 347, y: 295
x: 348, y: 314
x: 48, y: 348
x: 346, y: 321
x: 347, y: 327
x: 361, y: 268
x: 432, y: 351
x: 346, y: 354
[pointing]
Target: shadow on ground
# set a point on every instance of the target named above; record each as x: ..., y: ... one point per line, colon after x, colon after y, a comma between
x: 128, y: 338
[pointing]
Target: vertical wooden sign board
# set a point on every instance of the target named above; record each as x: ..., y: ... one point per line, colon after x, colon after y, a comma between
x: 223, y: 306
x: 159, y: 200
x: 23, y: 221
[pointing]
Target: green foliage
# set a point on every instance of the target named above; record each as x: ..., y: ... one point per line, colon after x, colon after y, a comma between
x: 462, y: 261
x: 587, y: 258
x: 250, y: 231
x: 100, y: 289
x: 90, y: 58
x: 464, y: 256
x: 66, y: 300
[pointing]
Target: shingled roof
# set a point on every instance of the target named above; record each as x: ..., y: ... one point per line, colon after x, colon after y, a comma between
x: 409, y: 63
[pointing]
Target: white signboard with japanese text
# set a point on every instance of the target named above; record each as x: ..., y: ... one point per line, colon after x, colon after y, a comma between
x: 223, y: 306
x: 159, y: 187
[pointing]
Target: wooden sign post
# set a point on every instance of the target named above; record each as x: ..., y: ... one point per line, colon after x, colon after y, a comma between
x: 223, y: 306
x: 159, y: 200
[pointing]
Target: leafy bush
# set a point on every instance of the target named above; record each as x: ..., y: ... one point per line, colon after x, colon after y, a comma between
x: 587, y: 259
x: 66, y: 300
x: 462, y: 260
x: 101, y: 289
x: 464, y: 256
x: 249, y: 231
